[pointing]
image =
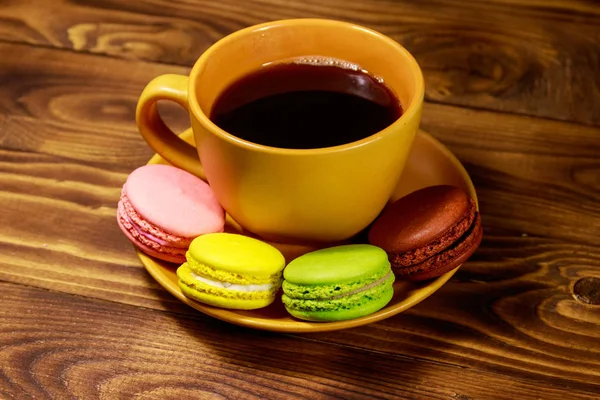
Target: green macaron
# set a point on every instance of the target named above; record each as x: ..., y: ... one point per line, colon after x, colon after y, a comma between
x: 338, y: 283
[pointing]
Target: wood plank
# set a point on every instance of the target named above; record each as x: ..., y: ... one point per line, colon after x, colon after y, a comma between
x: 46, y: 83
x: 113, y: 148
x: 508, y: 306
x: 88, y: 114
x: 509, y: 310
x: 104, y: 31
x: 581, y: 10
x: 60, y: 232
x: 145, y: 354
x: 536, y: 170
x: 533, y: 177
x: 512, y: 56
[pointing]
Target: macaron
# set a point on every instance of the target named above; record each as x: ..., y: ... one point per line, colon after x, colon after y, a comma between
x: 338, y: 283
x: 231, y: 271
x: 428, y: 232
x: 163, y: 208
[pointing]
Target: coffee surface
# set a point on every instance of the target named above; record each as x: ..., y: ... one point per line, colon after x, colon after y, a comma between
x: 304, y: 105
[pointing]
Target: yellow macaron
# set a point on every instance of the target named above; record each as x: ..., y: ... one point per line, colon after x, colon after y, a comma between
x: 231, y: 271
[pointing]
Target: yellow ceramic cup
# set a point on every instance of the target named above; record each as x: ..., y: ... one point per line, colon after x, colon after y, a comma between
x: 290, y: 195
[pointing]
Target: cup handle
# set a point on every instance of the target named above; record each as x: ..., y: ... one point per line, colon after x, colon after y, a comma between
x: 154, y: 130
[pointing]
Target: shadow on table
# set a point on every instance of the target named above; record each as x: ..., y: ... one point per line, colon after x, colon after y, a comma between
x: 448, y: 331
x: 297, y: 364
x: 288, y: 365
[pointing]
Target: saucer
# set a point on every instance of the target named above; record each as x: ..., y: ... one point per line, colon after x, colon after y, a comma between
x: 430, y: 163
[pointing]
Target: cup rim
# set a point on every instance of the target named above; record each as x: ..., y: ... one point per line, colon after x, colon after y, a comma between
x: 408, y: 113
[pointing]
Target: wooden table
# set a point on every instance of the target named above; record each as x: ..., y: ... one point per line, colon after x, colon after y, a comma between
x: 513, y: 89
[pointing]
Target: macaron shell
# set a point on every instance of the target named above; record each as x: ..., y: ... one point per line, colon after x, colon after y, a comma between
x: 220, y: 297
x: 446, y: 240
x: 337, y: 265
x: 338, y: 283
x: 223, y: 302
x: 299, y: 291
x: 448, y: 260
x: 127, y: 212
x: 184, y: 273
x: 419, y: 218
x: 174, y: 200
x: 340, y: 303
x: 236, y: 254
x: 231, y: 277
x: 173, y: 258
x: 365, y: 309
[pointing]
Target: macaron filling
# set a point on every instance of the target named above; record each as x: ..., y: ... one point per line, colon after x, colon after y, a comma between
x: 231, y: 271
x: 446, y: 260
x: 135, y: 231
x: 211, y: 287
x: 230, y: 277
x: 138, y: 229
x: 337, y: 290
x: 445, y: 240
x: 142, y: 225
x: 338, y: 283
x: 233, y: 286
x: 346, y: 302
x: 363, y: 289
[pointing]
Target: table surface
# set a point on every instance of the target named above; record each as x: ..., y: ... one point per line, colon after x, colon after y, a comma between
x: 512, y: 88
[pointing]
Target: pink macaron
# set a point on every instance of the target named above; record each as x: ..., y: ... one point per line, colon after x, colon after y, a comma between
x: 163, y: 208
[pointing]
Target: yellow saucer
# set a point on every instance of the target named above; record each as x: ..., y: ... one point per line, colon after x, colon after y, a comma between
x: 430, y: 163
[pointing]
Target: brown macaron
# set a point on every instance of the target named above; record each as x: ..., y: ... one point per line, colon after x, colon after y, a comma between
x: 428, y: 232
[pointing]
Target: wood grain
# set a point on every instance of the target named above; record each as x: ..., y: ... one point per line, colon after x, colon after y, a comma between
x: 87, y: 114
x: 510, y: 310
x: 508, y: 306
x: 507, y: 326
x: 533, y: 177
x: 582, y: 10
x: 59, y: 231
x: 140, y: 353
x: 514, y: 56
x: 105, y: 31
x: 77, y: 89
x: 540, y: 171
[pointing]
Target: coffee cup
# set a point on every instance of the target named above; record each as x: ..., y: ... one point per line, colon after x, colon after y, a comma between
x: 325, y: 194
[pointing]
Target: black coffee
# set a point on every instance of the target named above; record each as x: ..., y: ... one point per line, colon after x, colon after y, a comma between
x: 304, y: 105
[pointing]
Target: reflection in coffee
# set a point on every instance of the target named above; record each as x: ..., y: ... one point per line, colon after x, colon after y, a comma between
x: 306, y: 103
